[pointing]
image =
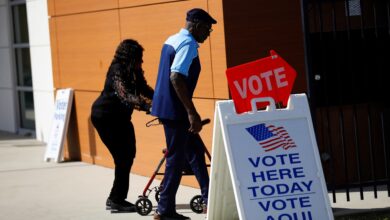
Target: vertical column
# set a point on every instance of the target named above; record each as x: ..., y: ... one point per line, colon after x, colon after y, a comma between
x: 41, y: 66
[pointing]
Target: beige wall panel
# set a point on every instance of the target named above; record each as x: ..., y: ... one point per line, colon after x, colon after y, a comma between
x: 50, y: 7
x: 204, y: 88
x: 91, y: 148
x: 83, y: 46
x: 63, y: 7
x: 86, y: 46
x: 54, y: 52
x: 82, y: 103
x: 205, y: 108
x: 151, y: 26
x: 218, y: 51
x: 132, y: 3
x: 150, y: 142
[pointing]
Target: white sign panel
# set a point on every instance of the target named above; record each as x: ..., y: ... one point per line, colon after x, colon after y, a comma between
x: 273, y: 161
x: 63, y: 106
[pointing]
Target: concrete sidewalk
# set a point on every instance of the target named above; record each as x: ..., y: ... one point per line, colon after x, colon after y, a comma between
x: 33, y: 189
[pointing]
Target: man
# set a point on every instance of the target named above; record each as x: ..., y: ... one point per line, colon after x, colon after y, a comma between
x: 178, y: 74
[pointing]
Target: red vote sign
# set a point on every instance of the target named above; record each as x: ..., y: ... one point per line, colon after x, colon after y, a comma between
x: 267, y: 77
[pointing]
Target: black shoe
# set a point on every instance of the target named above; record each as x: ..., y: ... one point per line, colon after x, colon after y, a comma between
x: 108, y: 204
x: 121, y: 207
x: 174, y: 216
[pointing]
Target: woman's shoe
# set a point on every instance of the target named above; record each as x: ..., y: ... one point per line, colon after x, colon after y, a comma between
x: 174, y: 216
x: 108, y: 204
x: 120, y: 207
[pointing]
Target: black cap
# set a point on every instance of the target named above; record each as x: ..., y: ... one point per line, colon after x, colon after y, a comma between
x: 198, y: 14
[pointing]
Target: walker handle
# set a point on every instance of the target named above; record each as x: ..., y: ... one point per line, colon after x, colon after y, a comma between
x: 205, y: 121
x: 154, y: 123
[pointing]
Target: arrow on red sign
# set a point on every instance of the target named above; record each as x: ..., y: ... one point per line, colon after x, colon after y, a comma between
x: 267, y: 77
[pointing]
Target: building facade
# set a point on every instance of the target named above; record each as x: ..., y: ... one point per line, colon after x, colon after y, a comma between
x: 83, y: 38
x: 71, y: 44
x: 85, y: 34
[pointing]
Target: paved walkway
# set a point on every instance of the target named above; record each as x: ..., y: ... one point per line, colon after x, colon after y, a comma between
x: 33, y: 189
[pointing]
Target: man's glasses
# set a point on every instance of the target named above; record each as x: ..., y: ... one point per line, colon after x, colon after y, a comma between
x: 205, y: 27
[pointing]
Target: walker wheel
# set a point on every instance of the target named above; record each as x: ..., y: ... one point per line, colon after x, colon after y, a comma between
x: 196, y: 204
x: 144, y: 206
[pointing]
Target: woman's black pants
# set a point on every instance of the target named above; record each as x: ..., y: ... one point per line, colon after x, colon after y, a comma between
x: 118, y: 136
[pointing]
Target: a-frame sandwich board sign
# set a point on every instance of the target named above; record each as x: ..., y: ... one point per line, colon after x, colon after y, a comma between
x: 265, y: 164
x: 63, y: 107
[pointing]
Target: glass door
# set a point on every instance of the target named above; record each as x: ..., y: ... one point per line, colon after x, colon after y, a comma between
x: 21, y: 51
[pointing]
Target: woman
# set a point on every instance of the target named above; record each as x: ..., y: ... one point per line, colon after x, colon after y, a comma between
x: 125, y: 89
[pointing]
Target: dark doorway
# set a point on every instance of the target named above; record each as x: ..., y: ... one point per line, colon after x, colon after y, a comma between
x: 348, y: 57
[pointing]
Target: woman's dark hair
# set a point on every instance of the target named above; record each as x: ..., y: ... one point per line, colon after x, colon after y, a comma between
x: 128, y: 52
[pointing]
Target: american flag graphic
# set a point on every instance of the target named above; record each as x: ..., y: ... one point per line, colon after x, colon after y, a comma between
x: 271, y: 137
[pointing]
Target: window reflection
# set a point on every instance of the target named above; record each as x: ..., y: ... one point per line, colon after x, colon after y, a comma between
x: 27, y: 114
x: 19, y: 15
x: 23, y: 66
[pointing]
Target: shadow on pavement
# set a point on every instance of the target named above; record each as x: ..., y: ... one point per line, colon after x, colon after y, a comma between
x: 341, y: 212
x: 4, y: 136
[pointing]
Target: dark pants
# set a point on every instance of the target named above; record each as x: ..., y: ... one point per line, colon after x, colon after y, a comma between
x: 118, y: 136
x: 183, y: 147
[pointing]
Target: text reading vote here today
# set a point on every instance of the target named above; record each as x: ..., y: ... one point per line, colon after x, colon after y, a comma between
x: 278, y: 167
